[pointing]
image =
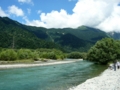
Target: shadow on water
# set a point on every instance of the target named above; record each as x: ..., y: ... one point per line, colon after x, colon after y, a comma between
x: 54, y: 77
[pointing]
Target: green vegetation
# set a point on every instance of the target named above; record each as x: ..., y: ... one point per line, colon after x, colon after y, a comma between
x: 55, y: 43
x: 8, y: 55
x: 77, y: 55
x: 16, y: 35
x: 25, y: 54
x: 27, y: 61
x: 104, y: 51
x: 51, y: 54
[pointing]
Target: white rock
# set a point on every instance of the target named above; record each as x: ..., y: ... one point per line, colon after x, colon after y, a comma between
x: 108, y: 80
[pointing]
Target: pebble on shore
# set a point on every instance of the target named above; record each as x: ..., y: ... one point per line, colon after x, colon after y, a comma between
x: 108, y: 80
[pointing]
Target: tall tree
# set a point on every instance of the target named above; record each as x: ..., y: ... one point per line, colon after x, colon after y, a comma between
x: 104, y: 51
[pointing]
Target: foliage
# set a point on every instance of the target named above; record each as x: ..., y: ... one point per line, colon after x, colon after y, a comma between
x: 51, y: 53
x: 22, y: 54
x: 16, y: 35
x: 8, y: 55
x: 104, y: 51
x: 84, y: 55
x: 35, y: 55
x: 75, y: 55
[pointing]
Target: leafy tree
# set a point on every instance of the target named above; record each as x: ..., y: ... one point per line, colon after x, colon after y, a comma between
x: 51, y: 53
x: 35, y: 55
x: 24, y: 54
x: 75, y: 55
x: 104, y: 51
x: 8, y: 55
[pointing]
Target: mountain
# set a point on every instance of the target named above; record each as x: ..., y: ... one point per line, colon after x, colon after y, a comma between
x: 115, y: 35
x: 16, y: 35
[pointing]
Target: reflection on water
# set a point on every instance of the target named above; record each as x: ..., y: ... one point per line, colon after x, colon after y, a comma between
x: 55, y: 77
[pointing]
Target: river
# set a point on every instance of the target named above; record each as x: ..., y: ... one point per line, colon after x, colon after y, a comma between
x: 53, y: 77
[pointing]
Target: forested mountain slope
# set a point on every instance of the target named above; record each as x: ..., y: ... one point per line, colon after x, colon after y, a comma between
x: 16, y: 35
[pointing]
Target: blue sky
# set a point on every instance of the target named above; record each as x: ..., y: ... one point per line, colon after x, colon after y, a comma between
x: 101, y: 14
x: 32, y: 8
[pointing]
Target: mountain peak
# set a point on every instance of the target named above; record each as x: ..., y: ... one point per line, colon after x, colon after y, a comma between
x: 82, y: 27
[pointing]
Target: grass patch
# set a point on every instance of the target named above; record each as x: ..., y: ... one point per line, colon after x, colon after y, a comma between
x: 18, y: 61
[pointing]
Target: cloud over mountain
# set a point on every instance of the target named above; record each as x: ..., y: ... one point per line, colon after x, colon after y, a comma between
x: 2, y: 13
x: 102, y: 14
x: 15, y: 10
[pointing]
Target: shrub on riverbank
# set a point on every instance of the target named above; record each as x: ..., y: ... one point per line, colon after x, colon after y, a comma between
x: 76, y: 55
x: 21, y: 54
x: 8, y: 55
x: 51, y: 54
x: 24, y: 54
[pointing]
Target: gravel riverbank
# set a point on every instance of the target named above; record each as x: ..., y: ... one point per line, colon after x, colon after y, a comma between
x: 6, y: 66
x: 108, y: 80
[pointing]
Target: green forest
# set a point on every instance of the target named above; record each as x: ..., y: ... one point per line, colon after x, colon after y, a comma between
x: 16, y: 35
x: 20, y: 43
x: 103, y: 52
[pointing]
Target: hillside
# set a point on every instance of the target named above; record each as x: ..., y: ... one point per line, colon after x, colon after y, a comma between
x: 16, y: 35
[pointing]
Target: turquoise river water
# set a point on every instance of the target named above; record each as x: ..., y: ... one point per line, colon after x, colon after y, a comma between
x: 53, y: 77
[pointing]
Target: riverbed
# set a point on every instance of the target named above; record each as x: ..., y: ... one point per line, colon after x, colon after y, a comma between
x: 52, y: 77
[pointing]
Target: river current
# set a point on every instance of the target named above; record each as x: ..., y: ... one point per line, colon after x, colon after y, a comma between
x: 53, y: 77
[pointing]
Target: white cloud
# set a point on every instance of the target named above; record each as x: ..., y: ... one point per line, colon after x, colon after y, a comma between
x: 15, y: 10
x: 39, y: 11
x: 112, y: 22
x: 2, y: 13
x: 29, y: 11
x: 26, y: 1
x: 102, y: 14
x: 34, y: 22
x: 54, y: 19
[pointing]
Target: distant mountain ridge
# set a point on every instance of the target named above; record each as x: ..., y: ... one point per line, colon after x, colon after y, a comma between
x: 115, y: 35
x: 79, y: 39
